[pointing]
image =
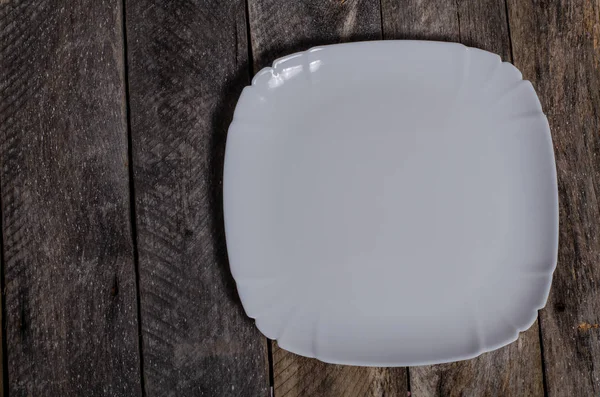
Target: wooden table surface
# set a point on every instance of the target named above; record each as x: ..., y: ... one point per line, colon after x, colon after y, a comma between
x: 113, y: 118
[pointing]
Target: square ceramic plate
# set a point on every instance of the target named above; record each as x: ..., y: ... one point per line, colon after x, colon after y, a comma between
x: 391, y: 203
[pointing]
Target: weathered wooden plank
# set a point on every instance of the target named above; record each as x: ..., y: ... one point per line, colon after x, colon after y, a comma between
x: 187, y: 67
x: 70, y: 291
x: 480, y: 24
x: 420, y: 20
x: 483, y: 24
x: 557, y: 46
x: 276, y: 31
x: 515, y: 369
x: 300, y: 376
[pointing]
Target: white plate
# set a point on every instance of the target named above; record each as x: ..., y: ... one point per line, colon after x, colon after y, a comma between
x: 391, y: 203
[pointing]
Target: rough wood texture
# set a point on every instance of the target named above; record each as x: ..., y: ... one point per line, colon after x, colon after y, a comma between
x: 187, y: 67
x: 276, y: 31
x: 557, y: 46
x: 480, y: 24
x: 299, y: 376
x: 483, y: 24
x: 69, y: 270
x: 515, y: 369
x: 420, y: 20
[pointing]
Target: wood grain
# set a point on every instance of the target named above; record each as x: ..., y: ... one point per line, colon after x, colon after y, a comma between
x: 187, y: 67
x: 70, y: 291
x: 515, y: 370
x: 557, y: 46
x: 420, y: 20
x: 480, y: 24
x: 276, y: 31
x: 483, y: 24
x: 300, y: 376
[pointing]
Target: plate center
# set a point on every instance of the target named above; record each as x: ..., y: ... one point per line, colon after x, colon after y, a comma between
x: 376, y: 202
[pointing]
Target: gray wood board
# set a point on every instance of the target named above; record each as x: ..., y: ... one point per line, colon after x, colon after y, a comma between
x: 300, y: 376
x: 70, y: 289
x: 517, y: 368
x: 557, y: 46
x: 277, y: 30
x: 188, y: 62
